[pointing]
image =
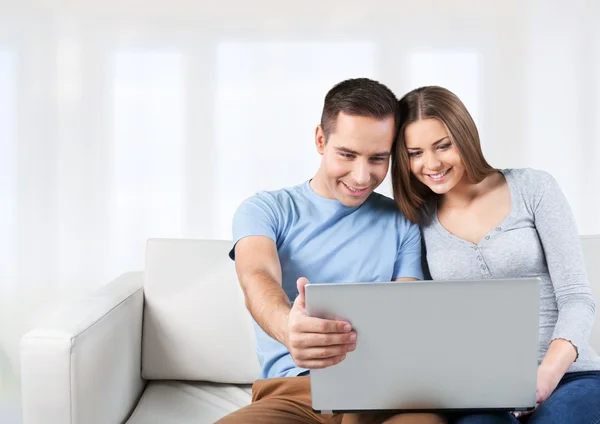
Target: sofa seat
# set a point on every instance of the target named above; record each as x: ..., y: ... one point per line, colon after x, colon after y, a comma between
x: 176, y: 402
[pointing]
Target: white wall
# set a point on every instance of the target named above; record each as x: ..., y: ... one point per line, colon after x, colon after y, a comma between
x: 122, y: 120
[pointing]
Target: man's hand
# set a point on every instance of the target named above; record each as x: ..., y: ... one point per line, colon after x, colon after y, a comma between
x: 314, y: 342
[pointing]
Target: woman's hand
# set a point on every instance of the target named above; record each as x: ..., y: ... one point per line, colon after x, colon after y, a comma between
x: 547, y: 380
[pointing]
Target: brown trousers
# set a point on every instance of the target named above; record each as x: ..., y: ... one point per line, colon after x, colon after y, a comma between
x: 287, y: 400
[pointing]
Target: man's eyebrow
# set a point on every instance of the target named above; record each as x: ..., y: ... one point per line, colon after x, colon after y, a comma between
x: 434, y: 144
x: 346, y: 150
x: 353, y: 152
x: 382, y: 154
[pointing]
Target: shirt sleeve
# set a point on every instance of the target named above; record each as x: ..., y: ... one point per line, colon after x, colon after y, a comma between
x: 559, y: 236
x: 256, y: 216
x: 408, y: 259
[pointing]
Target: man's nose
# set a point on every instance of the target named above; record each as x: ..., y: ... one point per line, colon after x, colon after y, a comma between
x: 362, y: 174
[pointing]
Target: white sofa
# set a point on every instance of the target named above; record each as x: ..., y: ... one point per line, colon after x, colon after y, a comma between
x: 171, y: 345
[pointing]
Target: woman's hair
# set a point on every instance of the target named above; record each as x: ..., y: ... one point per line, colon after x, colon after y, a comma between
x: 439, y: 103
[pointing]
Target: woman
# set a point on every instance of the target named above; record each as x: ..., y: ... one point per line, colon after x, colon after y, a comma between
x: 479, y: 222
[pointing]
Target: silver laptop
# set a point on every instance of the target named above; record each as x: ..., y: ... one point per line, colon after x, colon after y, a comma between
x: 431, y: 346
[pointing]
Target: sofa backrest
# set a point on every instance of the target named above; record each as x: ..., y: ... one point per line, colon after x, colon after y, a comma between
x: 591, y: 251
x: 196, y: 326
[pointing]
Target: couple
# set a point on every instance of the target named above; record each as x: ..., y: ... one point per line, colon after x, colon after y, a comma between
x: 476, y: 222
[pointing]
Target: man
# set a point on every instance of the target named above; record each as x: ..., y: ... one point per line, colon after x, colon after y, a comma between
x: 332, y: 228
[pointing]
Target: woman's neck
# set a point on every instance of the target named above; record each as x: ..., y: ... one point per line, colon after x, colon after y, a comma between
x: 465, y: 193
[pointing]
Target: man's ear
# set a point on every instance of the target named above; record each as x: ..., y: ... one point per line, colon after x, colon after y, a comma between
x: 320, y: 140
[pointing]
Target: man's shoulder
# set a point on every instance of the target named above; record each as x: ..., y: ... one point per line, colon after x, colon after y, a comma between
x: 383, y: 203
x: 277, y: 198
x: 385, y: 206
x: 290, y: 192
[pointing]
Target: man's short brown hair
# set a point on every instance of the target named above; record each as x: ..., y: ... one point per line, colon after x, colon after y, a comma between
x: 358, y: 97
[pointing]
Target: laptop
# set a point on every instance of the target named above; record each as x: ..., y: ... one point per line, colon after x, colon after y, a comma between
x: 444, y: 346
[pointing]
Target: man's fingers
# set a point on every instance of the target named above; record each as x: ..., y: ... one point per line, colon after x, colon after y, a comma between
x: 314, y: 364
x: 322, y: 326
x: 321, y: 353
x: 301, y: 285
x: 305, y: 340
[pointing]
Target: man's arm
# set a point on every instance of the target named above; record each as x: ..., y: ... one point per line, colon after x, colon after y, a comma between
x: 312, y: 342
x: 259, y: 273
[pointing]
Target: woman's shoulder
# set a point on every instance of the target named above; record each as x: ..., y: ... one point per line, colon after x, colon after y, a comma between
x: 529, y: 180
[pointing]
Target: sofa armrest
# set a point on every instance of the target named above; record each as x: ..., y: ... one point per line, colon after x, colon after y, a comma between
x: 83, y: 365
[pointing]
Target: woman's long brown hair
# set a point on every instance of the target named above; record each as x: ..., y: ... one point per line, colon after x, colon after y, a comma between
x: 439, y: 103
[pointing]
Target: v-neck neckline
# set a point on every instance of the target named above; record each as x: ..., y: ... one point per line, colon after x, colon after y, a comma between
x: 497, y: 228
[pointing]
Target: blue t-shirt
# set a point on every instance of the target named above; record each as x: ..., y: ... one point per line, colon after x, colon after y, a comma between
x: 326, y: 242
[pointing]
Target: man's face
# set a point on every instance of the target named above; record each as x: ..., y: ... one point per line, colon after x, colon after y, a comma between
x: 355, y: 158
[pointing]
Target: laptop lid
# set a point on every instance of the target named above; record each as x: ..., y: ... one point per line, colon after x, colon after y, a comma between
x: 431, y: 345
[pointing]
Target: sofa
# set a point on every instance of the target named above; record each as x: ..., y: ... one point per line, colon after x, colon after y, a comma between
x: 172, y: 344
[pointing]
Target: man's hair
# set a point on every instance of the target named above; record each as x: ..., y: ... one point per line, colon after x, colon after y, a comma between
x: 358, y: 97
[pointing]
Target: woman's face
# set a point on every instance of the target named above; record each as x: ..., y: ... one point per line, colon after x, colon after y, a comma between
x: 434, y: 159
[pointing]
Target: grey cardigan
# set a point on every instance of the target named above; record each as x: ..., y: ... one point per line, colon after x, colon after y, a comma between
x: 539, y: 237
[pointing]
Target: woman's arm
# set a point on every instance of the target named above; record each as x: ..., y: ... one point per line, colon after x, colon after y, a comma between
x: 560, y: 239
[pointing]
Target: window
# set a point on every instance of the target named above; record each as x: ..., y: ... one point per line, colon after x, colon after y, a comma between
x: 269, y: 101
x: 456, y: 71
x: 149, y: 131
x: 8, y: 171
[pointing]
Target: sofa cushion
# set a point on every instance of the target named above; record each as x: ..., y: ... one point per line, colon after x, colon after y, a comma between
x: 188, y: 403
x: 196, y: 326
